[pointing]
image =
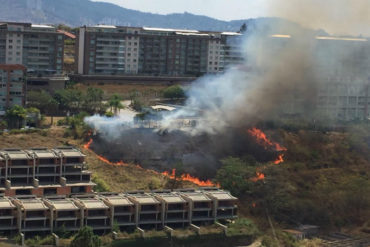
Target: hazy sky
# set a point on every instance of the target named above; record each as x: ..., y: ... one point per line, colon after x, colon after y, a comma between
x: 220, y: 9
x: 334, y: 16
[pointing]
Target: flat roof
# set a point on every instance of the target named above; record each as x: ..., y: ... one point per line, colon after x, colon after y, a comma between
x: 41, y: 26
x: 196, y: 196
x: 144, y: 198
x: 69, y: 152
x: 169, y: 30
x: 15, y: 154
x: 33, y: 204
x: 170, y: 197
x: 163, y: 107
x: 63, y: 204
x: 104, y: 26
x: 93, y: 203
x: 43, y: 153
x: 118, y: 200
x: 5, y: 203
x: 231, y: 33
x: 221, y: 195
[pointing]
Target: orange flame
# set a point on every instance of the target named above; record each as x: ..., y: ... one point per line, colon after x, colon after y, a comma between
x: 260, y: 176
x: 264, y: 141
x: 279, y: 160
x: 172, y: 175
x: 87, y: 145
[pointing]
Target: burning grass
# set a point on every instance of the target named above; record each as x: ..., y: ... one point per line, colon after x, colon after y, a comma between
x: 183, y: 177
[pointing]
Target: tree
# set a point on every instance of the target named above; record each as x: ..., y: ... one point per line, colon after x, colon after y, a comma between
x: 16, y: 116
x: 86, y: 238
x: 174, y: 92
x: 69, y: 100
x: 115, y: 103
x: 93, y: 101
x: 44, y: 102
x: 235, y: 175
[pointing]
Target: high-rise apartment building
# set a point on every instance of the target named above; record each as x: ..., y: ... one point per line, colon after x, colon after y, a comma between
x: 340, y: 74
x: 38, y: 47
x: 115, y: 50
x: 12, y: 86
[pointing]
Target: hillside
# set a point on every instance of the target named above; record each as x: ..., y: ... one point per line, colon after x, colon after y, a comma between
x: 323, y: 181
x: 84, y: 12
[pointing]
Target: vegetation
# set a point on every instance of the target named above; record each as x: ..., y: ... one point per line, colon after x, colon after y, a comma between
x: 68, y: 101
x: 174, y: 92
x: 86, y: 238
x: 101, y: 185
x: 236, y: 175
x: 115, y: 103
x: 16, y: 117
x: 38, y: 241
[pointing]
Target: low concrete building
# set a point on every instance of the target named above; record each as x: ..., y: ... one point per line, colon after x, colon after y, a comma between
x: 122, y: 210
x: 95, y: 213
x: 65, y: 214
x: 175, y: 210
x: 74, y: 174
x: 33, y: 215
x: 148, y: 210
x: 224, y: 204
x: 8, y: 215
x: 18, y: 172
x: 200, y: 206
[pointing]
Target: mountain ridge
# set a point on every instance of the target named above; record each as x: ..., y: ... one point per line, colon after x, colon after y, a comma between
x: 69, y: 12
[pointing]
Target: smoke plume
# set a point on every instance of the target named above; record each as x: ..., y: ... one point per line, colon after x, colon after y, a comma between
x: 285, y: 68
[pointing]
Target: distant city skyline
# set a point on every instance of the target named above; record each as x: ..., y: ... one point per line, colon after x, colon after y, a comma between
x: 236, y: 9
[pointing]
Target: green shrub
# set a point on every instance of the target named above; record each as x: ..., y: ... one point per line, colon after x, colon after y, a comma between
x: 86, y: 238
x: 101, y: 185
x: 174, y: 92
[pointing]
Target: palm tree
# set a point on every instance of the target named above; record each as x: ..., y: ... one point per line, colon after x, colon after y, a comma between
x: 115, y: 103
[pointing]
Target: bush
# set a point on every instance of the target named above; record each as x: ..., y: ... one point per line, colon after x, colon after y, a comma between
x: 38, y: 241
x: 101, y: 185
x: 86, y: 238
x: 174, y: 92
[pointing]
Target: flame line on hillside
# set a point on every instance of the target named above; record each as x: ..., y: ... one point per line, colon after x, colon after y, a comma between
x: 262, y: 139
x: 172, y: 175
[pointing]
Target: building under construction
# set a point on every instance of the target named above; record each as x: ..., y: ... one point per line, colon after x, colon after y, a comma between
x: 48, y: 190
x: 41, y: 171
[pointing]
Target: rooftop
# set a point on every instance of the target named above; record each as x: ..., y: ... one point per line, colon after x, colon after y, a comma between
x: 5, y: 203
x: 221, y: 195
x: 196, y: 196
x: 92, y: 203
x: 143, y: 198
x: 62, y: 204
x: 43, y: 153
x: 14, y: 154
x: 170, y: 197
x: 69, y: 152
x: 117, y: 200
x: 32, y: 204
x: 169, y: 30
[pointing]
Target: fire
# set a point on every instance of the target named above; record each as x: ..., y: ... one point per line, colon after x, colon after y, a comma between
x: 87, y: 145
x: 188, y: 177
x: 260, y: 176
x: 279, y: 160
x: 172, y: 175
x: 264, y: 141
